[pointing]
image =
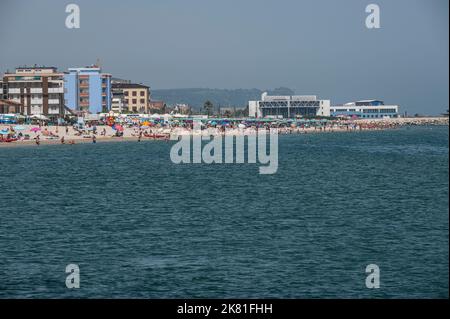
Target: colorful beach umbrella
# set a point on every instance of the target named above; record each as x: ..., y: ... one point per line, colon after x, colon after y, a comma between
x: 4, y: 132
x: 35, y: 129
x: 118, y: 127
x: 19, y: 128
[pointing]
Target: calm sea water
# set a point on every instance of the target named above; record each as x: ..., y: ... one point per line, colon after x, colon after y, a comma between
x: 139, y: 226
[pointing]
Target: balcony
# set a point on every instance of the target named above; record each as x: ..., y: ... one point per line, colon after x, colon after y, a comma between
x: 53, y: 110
x: 14, y: 91
x: 36, y: 90
x: 36, y: 101
x: 56, y: 90
x: 53, y: 101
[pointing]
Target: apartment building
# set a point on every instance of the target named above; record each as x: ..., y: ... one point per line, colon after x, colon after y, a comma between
x: 88, y: 90
x: 136, y: 96
x: 39, y: 90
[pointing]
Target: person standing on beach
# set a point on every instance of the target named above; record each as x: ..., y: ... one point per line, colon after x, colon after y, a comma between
x: 67, y: 130
x: 62, y: 140
x: 38, y: 141
x: 94, y: 139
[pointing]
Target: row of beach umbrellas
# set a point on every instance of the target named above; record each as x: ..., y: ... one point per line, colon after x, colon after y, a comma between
x: 6, y: 131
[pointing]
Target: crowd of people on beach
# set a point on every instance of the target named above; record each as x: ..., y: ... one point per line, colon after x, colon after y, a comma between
x: 166, y: 130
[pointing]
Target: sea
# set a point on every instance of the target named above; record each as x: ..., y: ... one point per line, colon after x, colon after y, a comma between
x: 136, y: 225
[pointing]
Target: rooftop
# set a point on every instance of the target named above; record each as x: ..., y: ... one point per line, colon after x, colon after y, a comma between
x: 129, y: 86
x: 34, y: 67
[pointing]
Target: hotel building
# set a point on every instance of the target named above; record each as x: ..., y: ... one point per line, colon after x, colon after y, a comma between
x: 135, y: 96
x: 288, y: 106
x: 38, y: 90
x: 365, y: 109
x: 88, y: 90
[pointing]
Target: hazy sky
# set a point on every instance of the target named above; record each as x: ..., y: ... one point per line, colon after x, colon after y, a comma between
x: 313, y: 46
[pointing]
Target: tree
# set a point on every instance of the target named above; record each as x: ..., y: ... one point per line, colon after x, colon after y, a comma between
x: 208, y: 106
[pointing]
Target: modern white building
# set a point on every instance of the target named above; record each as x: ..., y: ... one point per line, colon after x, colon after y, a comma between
x: 288, y: 106
x: 365, y: 109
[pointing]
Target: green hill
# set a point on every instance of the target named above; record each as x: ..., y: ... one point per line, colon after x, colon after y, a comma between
x: 195, y: 97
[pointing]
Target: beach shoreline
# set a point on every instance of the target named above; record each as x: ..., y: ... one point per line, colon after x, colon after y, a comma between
x: 53, y: 135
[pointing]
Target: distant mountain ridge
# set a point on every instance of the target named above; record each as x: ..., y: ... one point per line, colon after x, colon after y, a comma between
x: 196, y: 97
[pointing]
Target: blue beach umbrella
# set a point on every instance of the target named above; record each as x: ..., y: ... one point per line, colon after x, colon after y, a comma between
x: 19, y: 128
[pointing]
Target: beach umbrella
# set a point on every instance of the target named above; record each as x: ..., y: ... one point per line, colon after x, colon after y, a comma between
x: 118, y: 127
x: 4, y: 132
x: 19, y: 128
x: 35, y: 129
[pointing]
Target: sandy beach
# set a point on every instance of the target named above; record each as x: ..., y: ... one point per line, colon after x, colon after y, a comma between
x: 57, y: 135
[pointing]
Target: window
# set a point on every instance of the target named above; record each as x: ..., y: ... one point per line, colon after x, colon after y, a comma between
x: 134, y: 93
x: 142, y: 101
x: 125, y: 93
x: 142, y: 93
x: 134, y: 101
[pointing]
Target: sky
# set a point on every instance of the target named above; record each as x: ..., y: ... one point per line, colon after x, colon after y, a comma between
x: 318, y: 47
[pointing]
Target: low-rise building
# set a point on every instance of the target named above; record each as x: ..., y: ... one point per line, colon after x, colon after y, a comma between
x: 10, y: 107
x: 155, y: 105
x: 289, y: 106
x: 365, y: 109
